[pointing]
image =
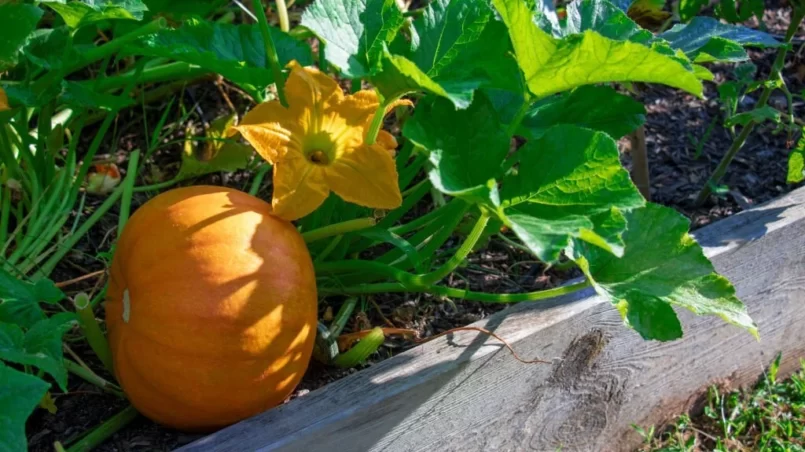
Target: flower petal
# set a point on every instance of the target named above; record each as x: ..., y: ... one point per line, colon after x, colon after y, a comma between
x: 387, y: 140
x: 271, y: 129
x: 316, y: 92
x: 357, y: 109
x: 299, y: 187
x: 366, y: 175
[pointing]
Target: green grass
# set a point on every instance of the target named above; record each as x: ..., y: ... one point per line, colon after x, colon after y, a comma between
x: 768, y: 418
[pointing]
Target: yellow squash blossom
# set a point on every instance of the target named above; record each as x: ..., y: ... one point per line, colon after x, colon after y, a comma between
x: 3, y: 101
x: 317, y: 144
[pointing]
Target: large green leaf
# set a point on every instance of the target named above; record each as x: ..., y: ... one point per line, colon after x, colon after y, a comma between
x: 399, y: 76
x: 19, y: 395
x: 235, y: 51
x: 593, y: 107
x: 41, y: 346
x: 551, y: 65
x: 466, y: 147
x: 17, y: 20
x: 355, y: 32
x: 19, y: 301
x: 77, y: 13
x: 662, y: 266
x: 550, y: 200
x: 183, y: 9
x: 707, y: 39
x: 605, y: 18
x: 445, y: 28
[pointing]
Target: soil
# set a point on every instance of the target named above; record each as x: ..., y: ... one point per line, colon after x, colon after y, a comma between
x: 675, y: 122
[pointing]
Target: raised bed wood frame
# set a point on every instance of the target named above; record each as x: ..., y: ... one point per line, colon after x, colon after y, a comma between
x: 465, y: 392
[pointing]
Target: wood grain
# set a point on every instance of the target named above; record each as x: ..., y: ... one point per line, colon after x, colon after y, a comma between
x: 464, y: 392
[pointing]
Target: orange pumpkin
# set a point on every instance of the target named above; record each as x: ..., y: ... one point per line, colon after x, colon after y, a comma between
x: 211, y: 308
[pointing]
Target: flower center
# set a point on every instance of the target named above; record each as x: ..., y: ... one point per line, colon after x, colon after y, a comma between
x: 318, y: 157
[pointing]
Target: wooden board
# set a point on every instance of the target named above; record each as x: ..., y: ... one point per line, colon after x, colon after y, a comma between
x: 464, y: 392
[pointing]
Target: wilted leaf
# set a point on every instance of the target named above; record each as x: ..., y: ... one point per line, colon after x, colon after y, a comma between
x: 648, y: 13
x: 104, y: 179
x: 4, y: 101
x: 17, y: 20
x: 215, y: 153
x: 355, y: 32
x: 662, y: 266
x: 19, y: 395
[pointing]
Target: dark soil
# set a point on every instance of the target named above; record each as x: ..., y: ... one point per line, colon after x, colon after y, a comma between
x: 674, y: 121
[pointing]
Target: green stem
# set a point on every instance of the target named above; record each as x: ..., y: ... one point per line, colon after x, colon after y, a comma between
x: 457, y: 293
x: 92, y: 378
x: 68, y: 244
x: 92, y: 331
x: 340, y: 320
x: 105, y: 430
x: 518, y: 117
x: 128, y: 191
x: 271, y: 51
x: 167, y: 72
x: 258, y: 178
x: 377, y: 120
x: 338, y: 229
x: 461, y: 254
x: 796, y: 18
x: 282, y: 12
x: 101, y: 52
x: 160, y: 185
x: 362, y: 350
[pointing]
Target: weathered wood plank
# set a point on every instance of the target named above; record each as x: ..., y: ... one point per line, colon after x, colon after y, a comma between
x: 465, y: 393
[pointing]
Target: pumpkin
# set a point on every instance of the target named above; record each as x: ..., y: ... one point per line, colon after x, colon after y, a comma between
x: 211, y: 308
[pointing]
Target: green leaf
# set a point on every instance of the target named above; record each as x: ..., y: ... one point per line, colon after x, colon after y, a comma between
x: 464, y: 158
x: 83, y: 96
x: 551, y: 66
x: 705, y: 35
x: 444, y: 29
x: 550, y: 200
x: 688, y: 9
x: 796, y: 161
x: 78, y: 13
x: 605, y: 18
x: 592, y: 107
x: 51, y: 48
x: 214, y: 154
x: 355, y: 32
x: 19, y: 301
x: 758, y: 116
x: 183, y: 9
x: 400, y: 76
x: 17, y: 20
x: 19, y: 395
x: 662, y: 266
x: 41, y: 346
x: 235, y: 51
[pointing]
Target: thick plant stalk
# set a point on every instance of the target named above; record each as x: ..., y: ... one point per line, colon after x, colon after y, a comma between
x: 796, y: 18
x: 271, y: 51
x: 92, y: 331
x: 338, y: 229
x: 640, y: 169
x: 105, y: 430
x: 282, y: 12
